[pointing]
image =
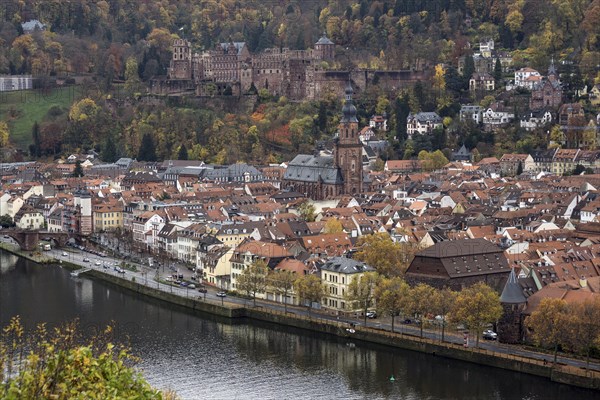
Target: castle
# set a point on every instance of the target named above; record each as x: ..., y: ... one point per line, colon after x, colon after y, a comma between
x: 230, y: 69
x: 320, y: 177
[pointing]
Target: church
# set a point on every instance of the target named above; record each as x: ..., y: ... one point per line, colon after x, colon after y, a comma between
x: 321, y: 177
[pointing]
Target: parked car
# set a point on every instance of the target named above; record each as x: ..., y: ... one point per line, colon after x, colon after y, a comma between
x: 221, y: 294
x: 192, y: 286
x: 371, y: 314
x: 85, y: 259
x: 98, y: 263
x: 489, y: 334
x: 64, y: 254
x: 202, y: 290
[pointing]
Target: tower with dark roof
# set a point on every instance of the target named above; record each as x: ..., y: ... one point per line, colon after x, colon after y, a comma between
x: 324, y: 48
x: 510, y: 326
x: 348, y: 148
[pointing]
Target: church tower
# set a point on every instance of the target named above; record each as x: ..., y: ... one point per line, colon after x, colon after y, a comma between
x: 348, y: 148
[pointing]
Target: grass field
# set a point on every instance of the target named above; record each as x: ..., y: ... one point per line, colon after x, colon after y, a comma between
x: 22, y: 108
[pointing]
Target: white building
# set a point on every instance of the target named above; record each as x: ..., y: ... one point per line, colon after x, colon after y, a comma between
x: 15, y: 82
x: 527, y: 77
x: 423, y: 123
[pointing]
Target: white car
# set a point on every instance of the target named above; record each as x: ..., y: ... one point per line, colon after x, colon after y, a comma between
x: 98, y: 263
x: 64, y: 254
x: 489, y: 334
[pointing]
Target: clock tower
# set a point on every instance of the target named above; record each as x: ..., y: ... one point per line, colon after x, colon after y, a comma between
x: 348, y: 148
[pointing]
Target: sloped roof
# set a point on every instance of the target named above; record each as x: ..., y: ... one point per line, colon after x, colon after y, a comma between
x: 307, y: 168
x: 512, y: 293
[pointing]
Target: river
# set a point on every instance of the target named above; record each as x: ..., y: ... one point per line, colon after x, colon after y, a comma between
x: 203, y: 357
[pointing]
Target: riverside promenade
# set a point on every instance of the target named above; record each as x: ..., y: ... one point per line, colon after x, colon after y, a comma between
x: 148, y: 282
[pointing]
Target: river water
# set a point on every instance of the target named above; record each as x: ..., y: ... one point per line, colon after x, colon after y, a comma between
x: 203, y: 357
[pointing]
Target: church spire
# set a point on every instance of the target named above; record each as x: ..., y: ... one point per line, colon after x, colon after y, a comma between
x: 349, y: 110
x: 552, y: 68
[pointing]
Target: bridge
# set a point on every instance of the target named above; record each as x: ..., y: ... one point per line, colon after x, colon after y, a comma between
x: 28, y: 240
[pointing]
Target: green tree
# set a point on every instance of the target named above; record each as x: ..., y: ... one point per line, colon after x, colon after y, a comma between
x: 361, y: 292
x: 147, y: 150
x: 432, y: 161
x: 468, y: 70
x: 422, y: 299
x: 401, y: 111
x: 109, y: 152
x: 307, y: 211
x: 370, y: 250
x: 282, y: 283
x: 6, y: 221
x: 182, y: 154
x: 53, y: 365
x: 552, y: 324
x: 253, y: 279
x: 322, y: 116
x: 519, y: 168
x: 498, y: 71
x: 378, y: 165
x: 477, y: 306
x: 78, y: 171
x: 37, y: 140
x: 309, y: 289
x: 392, y: 297
x: 132, y: 78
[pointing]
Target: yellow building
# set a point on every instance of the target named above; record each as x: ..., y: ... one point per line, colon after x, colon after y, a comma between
x: 336, y: 274
x: 107, y: 217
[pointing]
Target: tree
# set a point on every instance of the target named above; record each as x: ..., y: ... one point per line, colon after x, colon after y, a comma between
x: 551, y: 324
x: 372, y: 247
x: 132, y: 78
x: 182, y: 154
x: 422, y: 299
x: 477, y: 306
x: 6, y: 221
x: 468, y: 70
x: 4, y: 134
x: 333, y: 225
x: 378, y: 165
x: 392, y: 297
x: 282, y: 283
x: 53, y: 365
x: 37, y: 140
x: 498, y: 71
x: 322, y: 116
x: 78, y: 171
x: 109, y: 153
x: 520, y: 168
x: 587, y: 320
x: 307, y: 211
x: 361, y: 292
x: 401, y: 111
x: 431, y: 161
x: 253, y: 279
x: 443, y: 302
x: 310, y: 289
x: 147, y: 151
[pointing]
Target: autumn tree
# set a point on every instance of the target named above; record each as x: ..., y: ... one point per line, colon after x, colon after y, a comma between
x: 4, y: 134
x: 333, y: 225
x: 310, y: 289
x: 477, y: 306
x: 253, y: 279
x: 282, y: 283
x: 442, y: 303
x: 431, y: 161
x: 307, y: 211
x: 587, y: 327
x: 392, y: 297
x: 372, y: 247
x: 55, y: 365
x: 551, y: 324
x: 361, y: 292
x: 422, y: 298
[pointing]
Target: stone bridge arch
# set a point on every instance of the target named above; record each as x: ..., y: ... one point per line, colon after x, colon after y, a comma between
x: 28, y: 240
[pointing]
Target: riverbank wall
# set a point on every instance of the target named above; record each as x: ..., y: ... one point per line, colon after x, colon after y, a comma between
x: 559, y: 373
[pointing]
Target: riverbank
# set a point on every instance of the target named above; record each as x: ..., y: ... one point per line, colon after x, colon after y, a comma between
x: 561, y: 373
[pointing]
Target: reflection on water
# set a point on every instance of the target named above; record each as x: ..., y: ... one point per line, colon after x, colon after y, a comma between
x: 204, y: 357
